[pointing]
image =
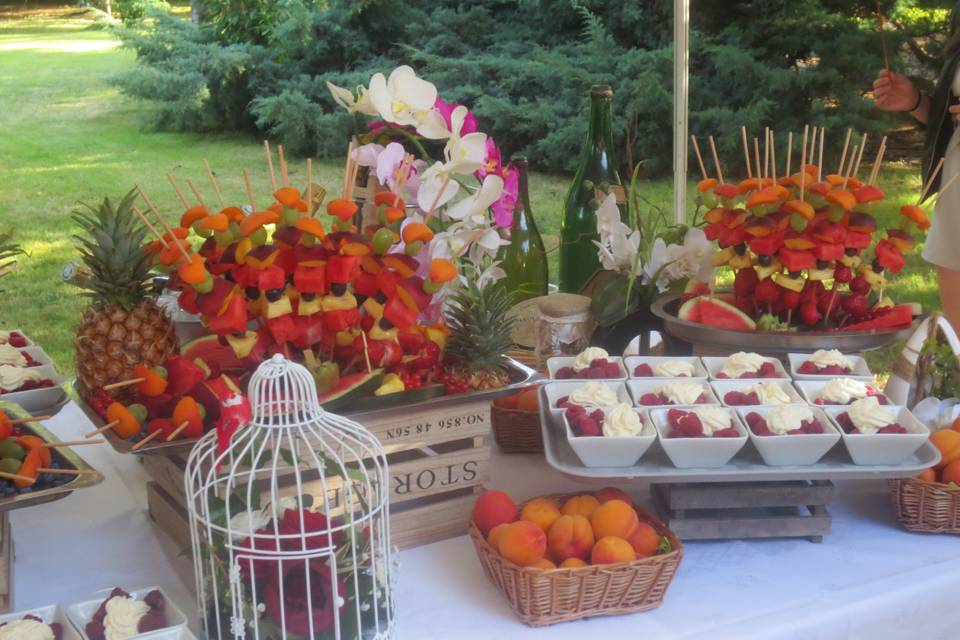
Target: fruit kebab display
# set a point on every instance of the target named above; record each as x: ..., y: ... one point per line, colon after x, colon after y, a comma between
x: 804, y: 247
x: 27, y: 461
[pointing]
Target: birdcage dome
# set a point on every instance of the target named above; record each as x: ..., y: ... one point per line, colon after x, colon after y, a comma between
x: 290, y: 519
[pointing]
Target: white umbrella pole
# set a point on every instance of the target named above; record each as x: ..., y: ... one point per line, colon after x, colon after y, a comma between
x: 681, y: 67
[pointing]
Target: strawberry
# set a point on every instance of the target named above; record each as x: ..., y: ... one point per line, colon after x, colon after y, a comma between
x: 809, y: 313
x: 859, y: 285
x: 842, y: 274
x: 856, y: 305
x: 745, y: 282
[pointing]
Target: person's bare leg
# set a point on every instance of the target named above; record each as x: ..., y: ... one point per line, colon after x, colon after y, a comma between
x: 949, y: 282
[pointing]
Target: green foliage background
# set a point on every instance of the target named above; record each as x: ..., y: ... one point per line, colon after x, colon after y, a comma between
x: 525, y: 66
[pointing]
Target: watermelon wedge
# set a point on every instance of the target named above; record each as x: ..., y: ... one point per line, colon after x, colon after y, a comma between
x: 714, y: 312
x: 897, y: 317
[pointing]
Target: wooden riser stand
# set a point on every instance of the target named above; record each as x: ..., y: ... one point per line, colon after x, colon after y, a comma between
x: 438, y: 462
x: 731, y: 510
x: 6, y: 564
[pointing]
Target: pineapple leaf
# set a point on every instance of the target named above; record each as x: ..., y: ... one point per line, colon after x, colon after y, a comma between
x: 480, y: 329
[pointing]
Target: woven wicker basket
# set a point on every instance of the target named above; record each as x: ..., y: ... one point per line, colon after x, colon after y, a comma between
x: 543, y: 597
x: 516, y: 431
x: 926, y: 507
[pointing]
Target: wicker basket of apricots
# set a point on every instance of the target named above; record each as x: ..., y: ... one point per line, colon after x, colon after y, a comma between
x: 515, y: 421
x: 565, y: 557
x: 930, y: 503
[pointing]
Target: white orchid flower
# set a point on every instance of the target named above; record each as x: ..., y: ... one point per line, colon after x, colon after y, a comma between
x: 404, y: 99
x: 432, y: 126
x: 367, y: 155
x: 480, y: 201
x: 432, y: 181
x: 491, y: 275
x: 243, y: 524
x: 691, y: 259
x: 608, y: 218
x: 346, y: 99
x: 464, y: 154
x: 659, y: 256
x: 388, y: 162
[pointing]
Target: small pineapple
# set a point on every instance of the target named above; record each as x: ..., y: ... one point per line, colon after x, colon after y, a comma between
x: 480, y: 333
x: 123, y: 326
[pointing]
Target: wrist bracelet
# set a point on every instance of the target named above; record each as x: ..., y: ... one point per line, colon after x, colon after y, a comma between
x: 919, y: 102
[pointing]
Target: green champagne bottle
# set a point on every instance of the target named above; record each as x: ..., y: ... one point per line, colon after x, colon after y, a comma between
x: 596, y: 177
x: 524, y: 259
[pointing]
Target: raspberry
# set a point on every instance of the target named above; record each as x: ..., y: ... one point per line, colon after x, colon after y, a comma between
x: 565, y: 373
x: 563, y: 402
x: 808, y: 368
x: 597, y: 416
x: 643, y: 371
x: 893, y: 428
x: 652, y: 399
x: 812, y: 426
x: 729, y: 432
x: 844, y: 421
x: 612, y: 370
x: 598, y: 363
x: 767, y: 370
x: 575, y: 410
x: 585, y: 426
x: 722, y: 376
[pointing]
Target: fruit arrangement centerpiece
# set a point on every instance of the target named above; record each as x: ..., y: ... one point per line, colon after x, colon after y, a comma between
x: 804, y: 247
x: 397, y: 298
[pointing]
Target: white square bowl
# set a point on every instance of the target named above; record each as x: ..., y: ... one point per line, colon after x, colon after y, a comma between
x: 792, y: 450
x: 559, y: 362
x: 563, y: 388
x: 722, y: 387
x: 605, y: 451
x: 49, y: 614
x: 81, y: 613
x: 860, y: 369
x: 883, y: 448
x: 811, y: 389
x: 690, y: 453
x: 38, y: 354
x: 38, y: 399
x: 714, y: 364
x: 632, y: 362
x: 30, y: 343
x: 639, y: 386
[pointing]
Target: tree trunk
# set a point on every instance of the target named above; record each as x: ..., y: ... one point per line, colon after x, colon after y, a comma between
x: 107, y: 8
x: 196, y: 12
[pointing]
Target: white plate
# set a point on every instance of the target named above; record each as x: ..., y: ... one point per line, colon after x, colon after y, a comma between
x: 558, y: 362
x: 49, y: 614
x: 860, y: 369
x: 689, y: 453
x: 38, y: 399
x: 792, y: 450
x: 811, y: 389
x: 81, y: 613
x: 640, y: 386
x: 722, y: 387
x: 604, y: 451
x: 632, y: 362
x: 563, y: 388
x: 715, y: 363
x: 883, y: 448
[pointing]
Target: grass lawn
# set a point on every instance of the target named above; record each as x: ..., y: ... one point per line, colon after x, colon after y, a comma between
x: 70, y: 137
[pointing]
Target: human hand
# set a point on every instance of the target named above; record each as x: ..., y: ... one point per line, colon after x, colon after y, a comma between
x: 894, y: 92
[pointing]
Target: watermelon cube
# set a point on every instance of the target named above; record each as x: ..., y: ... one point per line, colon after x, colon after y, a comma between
x: 766, y: 245
x: 828, y: 252
x: 794, y: 260
x: 857, y: 240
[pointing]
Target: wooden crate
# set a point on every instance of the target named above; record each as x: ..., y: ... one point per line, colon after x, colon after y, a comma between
x: 6, y: 564
x: 728, y: 510
x: 438, y: 462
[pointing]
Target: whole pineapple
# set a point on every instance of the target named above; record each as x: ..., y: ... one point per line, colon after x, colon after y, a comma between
x: 123, y: 326
x: 480, y: 333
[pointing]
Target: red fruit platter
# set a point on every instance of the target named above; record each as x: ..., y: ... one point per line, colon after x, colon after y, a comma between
x: 713, y: 339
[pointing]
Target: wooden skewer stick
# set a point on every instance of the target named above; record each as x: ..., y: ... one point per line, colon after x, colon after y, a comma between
x: 849, y: 171
x: 756, y: 157
x: 17, y: 476
x: 30, y: 419
x: 813, y: 145
x: 123, y: 383
x: 863, y: 145
x: 72, y: 443
x: 216, y: 185
x: 789, y: 152
x: 933, y: 177
x: 106, y: 427
x: 746, y: 151
x: 347, y: 168
x: 803, y: 163
x: 843, y: 156
x: 696, y: 150
x: 152, y: 228
x: 716, y: 160
x: 163, y: 222
x: 366, y: 352
x: 309, y: 186
x: 773, y: 156
x: 246, y: 182
x: 176, y: 432
x: 283, y: 166
x: 71, y: 472
x: 877, y: 160
x: 196, y: 193
x: 176, y: 187
x: 146, y: 440
x: 436, y: 199
x: 273, y: 176
x: 766, y: 152
x: 820, y: 160
x: 352, y: 179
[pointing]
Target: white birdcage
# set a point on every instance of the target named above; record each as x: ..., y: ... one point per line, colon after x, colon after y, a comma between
x: 290, y: 521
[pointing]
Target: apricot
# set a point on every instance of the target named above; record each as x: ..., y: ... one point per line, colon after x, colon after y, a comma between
x: 928, y: 475
x: 543, y: 563
x: 494, y: 536
x: 614, y: 518
x: 543, y: 512
x: 951, y: 473
x: 948, y: 442
x: 529, y: 400
x: 612, y: 493
x: 956, y: 425
x: 493, y: 508
x: 522, y: 543
x: 573, y: 563
x: 583, y: 505
x: 570, y: 537
x: 645, y: 540
x: 611, y: 550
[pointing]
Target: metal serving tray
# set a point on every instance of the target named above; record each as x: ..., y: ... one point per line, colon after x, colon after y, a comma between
x: 746, y: 466
x: 521, y: 375
x: 64, y: 455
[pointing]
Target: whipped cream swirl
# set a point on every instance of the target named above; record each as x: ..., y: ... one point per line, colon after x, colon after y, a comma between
x: 713, y: 419
x: 769, y: 392
x: 788, y: 417
x: 823, y: 358
x: 12, y: 378
x: 26, y: 629
x: 869, y: 416
x: 673, y: 369
x: 593, y: 394
x: 123, y: 617
x: 681, y: 392
x: 12, y: 356
x: 588, y: 355
x: 843, y: 391
x: 622, y: 421
x: 741, y: 363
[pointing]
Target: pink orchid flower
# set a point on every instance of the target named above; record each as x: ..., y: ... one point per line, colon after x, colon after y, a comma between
x: 446, y: 111
x: 504, y: 207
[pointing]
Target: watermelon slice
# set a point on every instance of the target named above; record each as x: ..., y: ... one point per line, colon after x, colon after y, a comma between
x: 895, y: 318
x: 351, y: 389
x: 714, y: 312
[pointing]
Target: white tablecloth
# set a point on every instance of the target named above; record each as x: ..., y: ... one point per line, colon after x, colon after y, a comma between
x: 868, y: 579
